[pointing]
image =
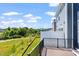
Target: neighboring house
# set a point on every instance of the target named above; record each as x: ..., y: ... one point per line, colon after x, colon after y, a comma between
x: 66, y: 26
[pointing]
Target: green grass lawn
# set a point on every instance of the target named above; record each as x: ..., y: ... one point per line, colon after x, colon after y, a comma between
x: 15, y: 47
x: 0, y: 33
x: 31, y: 48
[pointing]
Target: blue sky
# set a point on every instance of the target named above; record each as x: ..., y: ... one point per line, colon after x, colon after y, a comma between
x: 32, y: 15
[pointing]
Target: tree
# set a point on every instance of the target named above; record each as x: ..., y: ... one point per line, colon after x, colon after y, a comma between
x: 19, y: 32
x: 22, y: 31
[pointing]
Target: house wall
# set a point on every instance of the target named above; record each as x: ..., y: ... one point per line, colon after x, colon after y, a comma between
x: 63, y: 22
x: 71, y: 27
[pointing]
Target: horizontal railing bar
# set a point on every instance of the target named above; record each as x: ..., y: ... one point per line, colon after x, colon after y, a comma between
x: 29, y: 46
x: 57, y: 42
x: 58, y: 38
x: 35, y: 47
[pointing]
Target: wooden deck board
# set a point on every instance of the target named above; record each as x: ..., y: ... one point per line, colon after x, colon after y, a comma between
x: 57, y: 52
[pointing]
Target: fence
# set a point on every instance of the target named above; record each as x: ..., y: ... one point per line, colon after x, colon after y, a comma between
x: 58, y: 42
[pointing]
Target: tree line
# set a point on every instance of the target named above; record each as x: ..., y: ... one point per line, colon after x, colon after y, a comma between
x: 10, y: 33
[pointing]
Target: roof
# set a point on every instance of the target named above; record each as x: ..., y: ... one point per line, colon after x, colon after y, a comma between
x: 59, y: 8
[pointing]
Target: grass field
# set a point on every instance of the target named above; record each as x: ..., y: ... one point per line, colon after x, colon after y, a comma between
x: 0, y: 33
x: 15, y: 47
x: 33, y: 45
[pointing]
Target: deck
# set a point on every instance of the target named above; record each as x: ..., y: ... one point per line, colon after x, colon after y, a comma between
x: 57, y: 52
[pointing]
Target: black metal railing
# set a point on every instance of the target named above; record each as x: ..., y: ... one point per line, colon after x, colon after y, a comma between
x: 37, y: 50
x: 58, y: 42
x: 28, y: 47
x: 53, y: 42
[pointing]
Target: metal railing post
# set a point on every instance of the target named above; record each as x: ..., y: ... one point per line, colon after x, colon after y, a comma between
x: 43, y: 43
x: 64, y: 43
x: 57, y: 43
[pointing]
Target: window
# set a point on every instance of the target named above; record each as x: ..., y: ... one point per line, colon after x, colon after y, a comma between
x: 60, y: 29
x: 58, y: 18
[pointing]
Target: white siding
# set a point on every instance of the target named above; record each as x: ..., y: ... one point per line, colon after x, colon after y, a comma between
x: 63, y: 20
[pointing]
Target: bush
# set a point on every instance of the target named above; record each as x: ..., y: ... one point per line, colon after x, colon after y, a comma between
x: 10, y: 33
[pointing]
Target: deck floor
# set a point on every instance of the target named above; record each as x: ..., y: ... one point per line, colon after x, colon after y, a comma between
x: 57, y: 52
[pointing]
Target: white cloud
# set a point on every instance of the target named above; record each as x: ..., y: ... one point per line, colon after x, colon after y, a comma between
x: 11, y: 13
x: 32, y: 21
x: 13, y: 25
x: 4, y: 22
x: 28, y: 15
x: 51, y: 13
x: 20, y: 20
x: 35, y: 17
x: 32, y: 18
x: 21, y: 25
x: 11, y: 21
x: 53, y: 4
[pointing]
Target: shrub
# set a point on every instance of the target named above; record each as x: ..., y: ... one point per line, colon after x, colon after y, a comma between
x: 10, y: 33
